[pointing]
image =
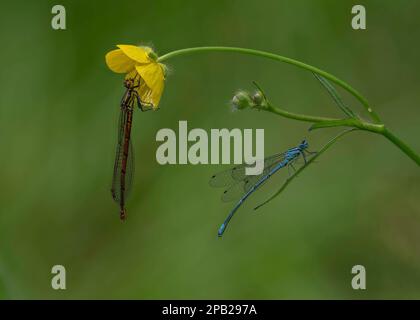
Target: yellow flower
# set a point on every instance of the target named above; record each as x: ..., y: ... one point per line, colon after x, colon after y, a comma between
x: 141, y: 61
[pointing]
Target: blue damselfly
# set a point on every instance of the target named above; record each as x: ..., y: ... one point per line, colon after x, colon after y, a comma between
x: 238, y: 183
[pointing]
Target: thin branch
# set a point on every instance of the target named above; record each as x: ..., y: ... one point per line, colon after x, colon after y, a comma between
x: 280, y: 58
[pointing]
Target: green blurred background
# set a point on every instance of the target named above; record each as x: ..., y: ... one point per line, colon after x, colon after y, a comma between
x: 59, y: 108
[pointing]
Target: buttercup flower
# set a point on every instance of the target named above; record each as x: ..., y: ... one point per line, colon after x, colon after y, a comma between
x: 139, y: 61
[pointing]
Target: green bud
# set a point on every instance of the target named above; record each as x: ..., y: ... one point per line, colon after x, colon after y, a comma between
x: 242, y: 100
x: 259, y: 99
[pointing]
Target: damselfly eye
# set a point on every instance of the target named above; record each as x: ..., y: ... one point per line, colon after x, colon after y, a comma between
x: 304, y: 144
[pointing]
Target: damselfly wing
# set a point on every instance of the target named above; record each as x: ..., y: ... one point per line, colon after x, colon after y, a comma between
x: 235, y: 181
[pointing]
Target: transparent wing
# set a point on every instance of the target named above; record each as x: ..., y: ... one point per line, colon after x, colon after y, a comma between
x: 236, y: 174
x: 236, y: 190
x: 244, y: 183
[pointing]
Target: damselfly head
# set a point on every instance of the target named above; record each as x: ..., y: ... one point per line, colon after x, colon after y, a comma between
x: 132, y: 81
x: 129, y: 83
x: 304, y: 144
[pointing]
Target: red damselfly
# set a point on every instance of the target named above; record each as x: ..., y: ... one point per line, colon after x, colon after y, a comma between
x: 124, y: 157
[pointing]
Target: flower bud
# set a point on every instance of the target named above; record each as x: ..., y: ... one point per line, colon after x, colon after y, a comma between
x: 259, y: 99
x: 242, y: 100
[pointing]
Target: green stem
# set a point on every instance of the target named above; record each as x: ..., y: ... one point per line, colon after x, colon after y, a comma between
x: 295, y: 116
x: 375, y: 128
x: 350, y: 122
x: 401, y: 145
x: 273, y: 56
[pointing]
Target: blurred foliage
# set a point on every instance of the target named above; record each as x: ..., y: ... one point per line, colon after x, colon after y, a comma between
x: 58, y: 114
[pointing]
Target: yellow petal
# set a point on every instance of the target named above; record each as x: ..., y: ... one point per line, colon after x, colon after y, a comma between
x: 150, y: 97
x: 118, y: 62
x: 157, y: 94
x: 145, y: 96
x: 138, y: 54
x: 154, y: 78
x: 151, y: 73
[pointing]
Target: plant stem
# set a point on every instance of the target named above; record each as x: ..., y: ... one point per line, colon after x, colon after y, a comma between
x: 322, y: 122
x: 273, y: 56
x: 401, y: 145
x: 350, y: 122
x: 295, y: 116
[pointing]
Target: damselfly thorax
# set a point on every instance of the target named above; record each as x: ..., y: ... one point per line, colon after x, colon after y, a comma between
x: 124, y: 157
